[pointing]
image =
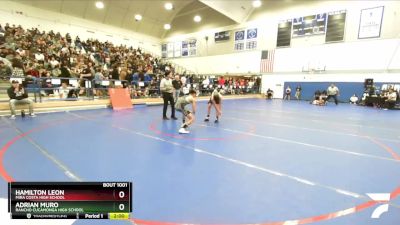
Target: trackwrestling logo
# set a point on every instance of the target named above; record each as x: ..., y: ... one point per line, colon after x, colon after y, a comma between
x: 382, y: 198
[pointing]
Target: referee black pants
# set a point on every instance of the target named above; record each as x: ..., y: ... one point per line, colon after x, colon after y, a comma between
x: 334, y: 97
x: 168, y: 97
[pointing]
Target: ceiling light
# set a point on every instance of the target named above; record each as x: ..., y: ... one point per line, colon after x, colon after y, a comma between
x: 167, y: 26
x: 197, y: 18
x: 256, y: 3
x: 168, y: 6
x: 138, y: 17
x: 99, y: 5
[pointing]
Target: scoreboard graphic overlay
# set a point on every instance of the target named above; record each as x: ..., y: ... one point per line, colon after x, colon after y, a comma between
x: 70, y: 200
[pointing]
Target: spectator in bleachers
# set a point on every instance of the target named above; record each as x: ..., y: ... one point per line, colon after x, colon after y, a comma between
x: 51, y: 49
x: 31, y: 70
x: 18, y: 95
x: 5, y: 71
x: 221, y: 81
x: 65, y: 91
x: 205, y: 85
x: 53, y: 62
x: 46, y: 84
x: 56, y: 72
x: 18, y: 68
x: 147, y: 79
x: 39, y: 55
x: 65, y: 72
x: 2, y: 31
x: 115, y: 73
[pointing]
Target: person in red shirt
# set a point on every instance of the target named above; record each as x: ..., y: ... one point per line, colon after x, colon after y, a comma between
x: 32, y: 71
x: 221, y: 81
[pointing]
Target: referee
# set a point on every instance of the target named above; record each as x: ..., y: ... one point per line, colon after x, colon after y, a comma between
x: 333, y: 92
x: 166, y: 91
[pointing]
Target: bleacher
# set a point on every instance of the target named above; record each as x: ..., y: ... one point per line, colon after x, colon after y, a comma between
x: 104, y: 58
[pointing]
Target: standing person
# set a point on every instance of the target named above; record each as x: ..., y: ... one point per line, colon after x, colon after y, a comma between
x: 288, y: 93
x: 215, y: 100
x: 184, y: 80
x: 298, y: 92
x: 166, y: 91
x: 85, y: 74
x: 188, y: 116
x: 17, y: 95
x: 177, y: 84
x: 221, y: 81
x: 98, y: 78
x: 333, y: 92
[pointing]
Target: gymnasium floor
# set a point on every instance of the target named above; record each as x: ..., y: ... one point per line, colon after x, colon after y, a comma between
x: 269, y: 162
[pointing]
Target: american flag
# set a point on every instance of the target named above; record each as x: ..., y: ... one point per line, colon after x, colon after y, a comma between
x: 267, y: 61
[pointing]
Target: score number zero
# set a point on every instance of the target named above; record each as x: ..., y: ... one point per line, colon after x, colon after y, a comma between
x: 121, y: 194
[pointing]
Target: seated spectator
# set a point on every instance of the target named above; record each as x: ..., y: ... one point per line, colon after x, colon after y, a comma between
x: 63, y: 90
x: 53, y: 62
x: 390, y: 102
x: 5, y: 71
x: 354, y: 99
x: 115, y: 73
x: 270, y: 93
x: 18, y: 68
x: 18, y: 95
x: 56, y: 72
x: 147, y: 79
x: 47, y: 86
x: 50, y: 49
x: 31, y: 70
x: 39, y: 55
x: 65, y: 71
x: 135, y: 80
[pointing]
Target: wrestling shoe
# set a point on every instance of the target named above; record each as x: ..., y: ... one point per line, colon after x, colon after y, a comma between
x: 183, y: 131
x: 206, y: 119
